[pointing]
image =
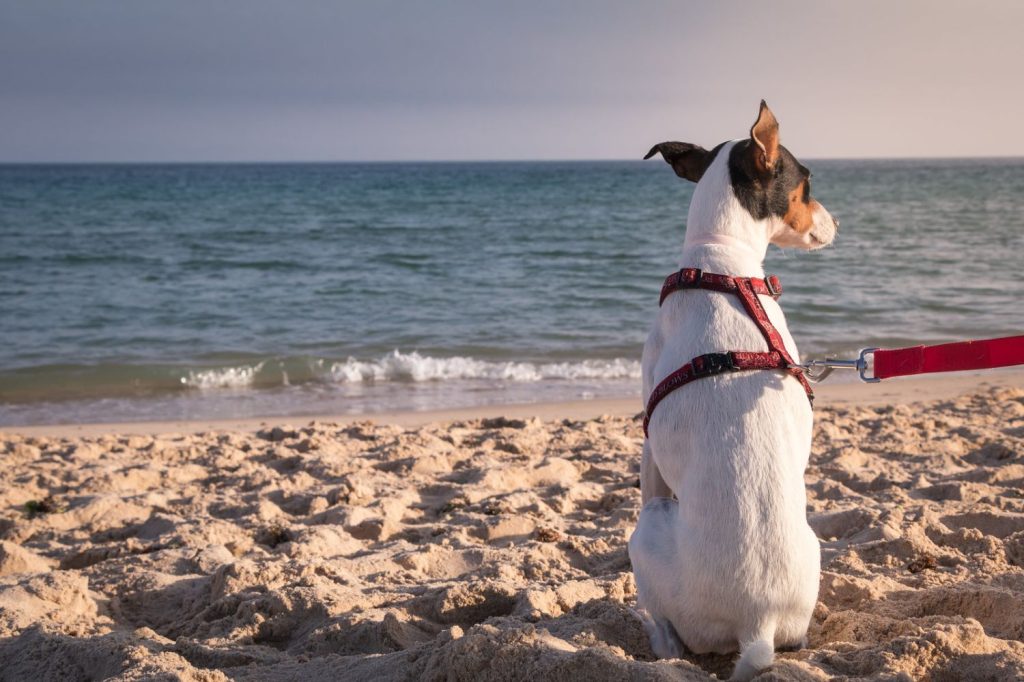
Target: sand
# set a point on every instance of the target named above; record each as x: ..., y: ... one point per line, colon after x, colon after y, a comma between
x: 486, y: 548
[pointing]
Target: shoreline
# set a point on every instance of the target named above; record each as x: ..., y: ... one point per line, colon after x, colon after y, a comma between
x: 838, y: 393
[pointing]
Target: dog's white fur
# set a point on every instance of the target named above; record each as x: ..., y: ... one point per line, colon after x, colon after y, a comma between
x: 731, y: 562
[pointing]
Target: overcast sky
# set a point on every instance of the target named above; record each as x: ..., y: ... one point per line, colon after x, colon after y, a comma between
x: 185, y: 80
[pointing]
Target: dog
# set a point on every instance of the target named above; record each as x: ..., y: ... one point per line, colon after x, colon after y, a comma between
x: 723, y: 556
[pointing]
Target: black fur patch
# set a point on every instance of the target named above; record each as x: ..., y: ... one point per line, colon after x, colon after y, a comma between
x: 689, y: 161
x: 762, y: 195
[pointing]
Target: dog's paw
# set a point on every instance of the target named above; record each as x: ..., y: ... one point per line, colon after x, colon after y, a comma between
x: 665, y: 643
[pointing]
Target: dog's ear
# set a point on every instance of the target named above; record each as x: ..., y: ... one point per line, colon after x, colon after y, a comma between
x: 765, y: 136
x: 689, y: 161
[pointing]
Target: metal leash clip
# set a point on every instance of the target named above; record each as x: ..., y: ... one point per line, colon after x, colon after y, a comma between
x: 819, y: 370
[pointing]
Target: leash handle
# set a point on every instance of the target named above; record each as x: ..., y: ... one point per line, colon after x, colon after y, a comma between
x: 884, y: 363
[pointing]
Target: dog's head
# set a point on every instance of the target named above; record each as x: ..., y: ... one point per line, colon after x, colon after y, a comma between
x: 766, y: 180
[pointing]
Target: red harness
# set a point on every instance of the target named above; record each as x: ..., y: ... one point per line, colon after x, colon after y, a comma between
x: 710, y: 364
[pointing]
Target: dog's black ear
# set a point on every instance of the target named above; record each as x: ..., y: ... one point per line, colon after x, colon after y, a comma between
x: 765, y: 136
x: 689, y: 161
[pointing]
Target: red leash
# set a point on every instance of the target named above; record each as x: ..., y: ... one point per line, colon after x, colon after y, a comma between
x: 946, y: 357
x: 950, y: 357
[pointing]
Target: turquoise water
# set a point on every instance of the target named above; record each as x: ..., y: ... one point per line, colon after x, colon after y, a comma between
x: 203, y: 291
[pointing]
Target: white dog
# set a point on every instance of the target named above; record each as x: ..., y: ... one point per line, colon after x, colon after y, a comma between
x: 729, y: 562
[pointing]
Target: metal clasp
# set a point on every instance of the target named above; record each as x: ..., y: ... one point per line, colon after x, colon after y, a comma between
x: 819, y: 370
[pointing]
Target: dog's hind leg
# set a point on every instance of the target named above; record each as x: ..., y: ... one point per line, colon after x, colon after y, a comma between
x: 651, y: 483
x: 652, y: 551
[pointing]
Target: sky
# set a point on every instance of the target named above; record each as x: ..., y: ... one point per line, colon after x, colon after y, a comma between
x: 384, y: 80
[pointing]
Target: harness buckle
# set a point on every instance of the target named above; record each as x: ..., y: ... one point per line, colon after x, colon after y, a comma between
x: 774, y: 286
x: 711, y: 364
x: 698, y: 274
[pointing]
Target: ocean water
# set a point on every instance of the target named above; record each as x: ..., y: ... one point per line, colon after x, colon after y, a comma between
x: 132, y: 292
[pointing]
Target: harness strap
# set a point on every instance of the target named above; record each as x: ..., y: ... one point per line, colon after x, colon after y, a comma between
x: 695, y: 278
x: 710, y: 364
x: 754, y: 308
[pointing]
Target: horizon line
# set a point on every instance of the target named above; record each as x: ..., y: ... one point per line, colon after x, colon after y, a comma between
x: 1001, y: 157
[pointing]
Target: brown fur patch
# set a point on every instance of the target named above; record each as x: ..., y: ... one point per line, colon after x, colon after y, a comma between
x: 800, y: 214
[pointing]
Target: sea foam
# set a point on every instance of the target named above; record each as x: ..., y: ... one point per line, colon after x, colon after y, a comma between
x: 223, y: 377
x: 398, y: 366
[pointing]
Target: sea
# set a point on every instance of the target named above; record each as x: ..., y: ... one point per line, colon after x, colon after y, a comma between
x: 179, y: 291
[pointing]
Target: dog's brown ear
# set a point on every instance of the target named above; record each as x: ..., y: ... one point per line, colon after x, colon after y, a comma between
x: 689, y: 161
x: 765, y: 136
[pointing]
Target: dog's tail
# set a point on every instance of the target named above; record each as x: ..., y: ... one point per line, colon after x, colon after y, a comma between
x: 755, y: 655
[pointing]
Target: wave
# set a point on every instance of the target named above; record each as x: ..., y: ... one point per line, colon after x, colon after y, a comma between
x: 413, y: 367
x: 226, y: 377
x: 103, y: 380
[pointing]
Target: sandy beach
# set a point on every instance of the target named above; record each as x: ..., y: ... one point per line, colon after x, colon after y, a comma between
x: 323, y: 329
x: 489, y: 544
